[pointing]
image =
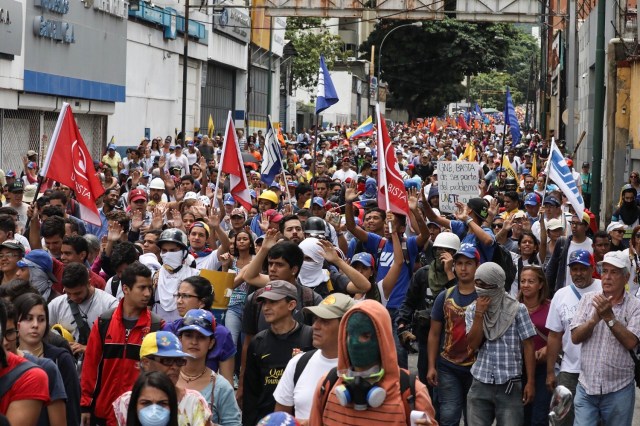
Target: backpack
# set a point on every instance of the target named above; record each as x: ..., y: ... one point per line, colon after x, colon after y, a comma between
x: 13, y: 375
x: 302, y: 364
x: 407, y: 388
x: 105, y: 319
x: 502, y: 257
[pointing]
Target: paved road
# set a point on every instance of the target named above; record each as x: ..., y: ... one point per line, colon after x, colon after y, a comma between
x: 413, y: 360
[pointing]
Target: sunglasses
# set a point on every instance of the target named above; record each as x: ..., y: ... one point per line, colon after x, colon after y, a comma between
x: 201, y: 322
x: 497, y: 225
x: 168, y: 362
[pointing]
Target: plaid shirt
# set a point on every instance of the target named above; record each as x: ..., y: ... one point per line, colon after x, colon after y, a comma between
x: 501, y: 359
x: 605, y: 365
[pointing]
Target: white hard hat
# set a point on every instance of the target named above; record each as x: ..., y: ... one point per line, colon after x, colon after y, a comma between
x: 447, y: 240
x: 362, y: 145
x: 157, y: 183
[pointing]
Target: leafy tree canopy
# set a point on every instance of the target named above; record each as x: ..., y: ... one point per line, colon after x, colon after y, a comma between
x: 311, y: 38
x: 424, y: 67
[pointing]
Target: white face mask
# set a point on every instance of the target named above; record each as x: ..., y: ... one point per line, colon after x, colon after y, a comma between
x: 311, y: 274
x: 172, y: 260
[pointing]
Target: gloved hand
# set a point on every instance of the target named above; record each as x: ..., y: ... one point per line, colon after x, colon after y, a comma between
x: 407, y: 338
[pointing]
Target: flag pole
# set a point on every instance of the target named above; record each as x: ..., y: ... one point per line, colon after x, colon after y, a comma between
x: 382, y: 165
x: 224, y: 143
x: 279, y: 152
x: 313, y: 149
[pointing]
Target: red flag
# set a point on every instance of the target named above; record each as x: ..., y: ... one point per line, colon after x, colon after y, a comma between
x: 231, y: 164
x: 68, y: 161
x: 391, y: 193
x: 434, y: 126
x: 462, y: 124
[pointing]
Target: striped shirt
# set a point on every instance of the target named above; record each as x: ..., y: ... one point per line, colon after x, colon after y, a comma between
x: 501, y: 359
x: 605, y: 365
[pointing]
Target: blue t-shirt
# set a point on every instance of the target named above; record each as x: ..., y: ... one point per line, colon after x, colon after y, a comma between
x: 384, y: 263
x: 462, y: 231
x: 223, y: 349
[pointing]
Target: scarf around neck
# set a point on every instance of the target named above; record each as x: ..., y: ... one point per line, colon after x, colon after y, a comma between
x: 500, y: 314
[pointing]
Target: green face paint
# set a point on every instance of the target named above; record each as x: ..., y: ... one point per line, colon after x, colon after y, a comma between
x: 362, y: 341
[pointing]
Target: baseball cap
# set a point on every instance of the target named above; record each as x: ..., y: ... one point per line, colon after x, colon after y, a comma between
x: 532, y: 199
x: 333, y: 306
x: 586, y: 218
x: 519, y: 215
x: 318, y: 200
x: 29, y: 193
x: 204, y: 200
x: 10, y: 174
x: 163, y: 344
x: 13, y: 245
x: 582, y: 257
x: 273, y: 215
x: 239, y: 211
x: 31, y: 165
x: 551, y: 200
x: 585, y: 164
x: 479, y: 206
x: 16, y: 186
x: 362, y: 145
x: 137, y: 194
x: 190, y: 196
x: 31, y: 153
x: 278, y: 290
x: 198, y: 320
x: 307, y: 157
x: 39, y: 259
x: 616, y: 225
x: 468, y: 250
x: 229, y: 200
x: 618, y: 259
x: 190, y: 143
x: 178, y: 147
x: 554, y: 224
x: 111, y: 147
x: 278, y: 418
x: 365, y: 258
x: 201, y: 224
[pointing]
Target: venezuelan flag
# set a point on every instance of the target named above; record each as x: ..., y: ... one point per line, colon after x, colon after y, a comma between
x: 365, y: 129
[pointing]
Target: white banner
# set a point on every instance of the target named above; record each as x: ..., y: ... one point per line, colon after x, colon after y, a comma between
x: 457, y: 182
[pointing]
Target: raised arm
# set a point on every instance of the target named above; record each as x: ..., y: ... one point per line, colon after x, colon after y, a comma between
x: 351, y: 195
x: 390, y: 280
x: 252, y: 273
x: 358, y: 283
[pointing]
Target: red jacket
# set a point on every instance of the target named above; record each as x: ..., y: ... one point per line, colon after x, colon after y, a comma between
x: 109, y: 371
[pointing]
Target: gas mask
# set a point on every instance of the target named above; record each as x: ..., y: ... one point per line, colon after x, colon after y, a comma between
x: 362, y: 391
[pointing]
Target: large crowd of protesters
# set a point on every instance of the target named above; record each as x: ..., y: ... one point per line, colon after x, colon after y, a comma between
x: 182, y: 307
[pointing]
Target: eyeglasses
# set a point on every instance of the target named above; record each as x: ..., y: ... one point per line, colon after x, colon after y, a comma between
x: 168, y: 362
x: 11, y: 334
x: 184, y: 296
x: 9, y: 255
x: 200, y: 321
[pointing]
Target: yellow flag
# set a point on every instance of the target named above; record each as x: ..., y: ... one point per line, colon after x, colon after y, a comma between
x: 210, y: 128
x: 506, y: 164
x: 534, y: 166
x: 469, y: 153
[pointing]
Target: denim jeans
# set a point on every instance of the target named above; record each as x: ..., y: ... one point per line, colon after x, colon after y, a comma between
x: 570, y: 381
x: 614, y: 409
x: 537, y: 413
x: 453, y: 387
x: 488, y: 402
x: 403, y: 356
x: 233, y: 322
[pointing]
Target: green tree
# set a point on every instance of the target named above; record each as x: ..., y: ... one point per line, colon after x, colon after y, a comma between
x: 425, y: 66
x: 311, y: 38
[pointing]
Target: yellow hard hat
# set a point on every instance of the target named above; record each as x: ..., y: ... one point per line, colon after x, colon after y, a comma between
x: 307, y: 204
x: 58, y: 328
x: 269, y: 196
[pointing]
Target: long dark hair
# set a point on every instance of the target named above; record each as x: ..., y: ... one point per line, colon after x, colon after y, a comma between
x: 160, y: 381
x: 203, y: 289
x: 252, y: 245
x: 25, y: 302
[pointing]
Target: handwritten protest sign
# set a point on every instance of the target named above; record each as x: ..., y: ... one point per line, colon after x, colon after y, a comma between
x: 457, y: 182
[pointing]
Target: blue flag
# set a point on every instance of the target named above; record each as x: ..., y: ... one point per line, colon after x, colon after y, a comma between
x: 511, y: 120
x: 327, y: 94
x: 271, y: 159
x: 478, y: 111
x: 561, y: 175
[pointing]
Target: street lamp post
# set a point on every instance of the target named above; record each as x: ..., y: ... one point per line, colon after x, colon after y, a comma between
x: 417, y: 24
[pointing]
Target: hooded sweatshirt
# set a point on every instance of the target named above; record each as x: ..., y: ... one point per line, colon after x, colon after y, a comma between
x: 392, y: 411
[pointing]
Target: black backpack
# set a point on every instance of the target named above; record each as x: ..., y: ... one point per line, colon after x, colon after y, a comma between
x: 13, y: 375
x: 502, y: 257
x: 105, y: 319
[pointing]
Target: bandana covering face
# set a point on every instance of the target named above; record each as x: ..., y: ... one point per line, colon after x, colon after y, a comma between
x: 503, y: 307
x: 311, y: 273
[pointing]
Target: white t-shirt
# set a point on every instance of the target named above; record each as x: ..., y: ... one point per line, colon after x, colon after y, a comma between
x: 90, y: 309
x: 210, y: 262
x: 301, y: 396
x: 563, y: 307
x: 585, y: 245
x: 342, y: 175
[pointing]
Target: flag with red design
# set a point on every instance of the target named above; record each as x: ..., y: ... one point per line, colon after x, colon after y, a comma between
x: 68, y: 161
x: 462, y: 124
x: 391, y: 192
x: 231, y: 164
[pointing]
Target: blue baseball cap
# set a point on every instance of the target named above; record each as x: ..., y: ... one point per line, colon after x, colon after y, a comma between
x: 318, y: 200
x: 253, y: 193
x: 40, y: 259
x: 551, y: 200
x: 582, y: 257
x: 526, y: 172
x: 365, y: 258
x: 229, y: 200
x: 111, y: 147
x: 532, y: 199
x: 199, y: 320
x: 10, y: 174
x: 468, y: 250
x: 163, y: 344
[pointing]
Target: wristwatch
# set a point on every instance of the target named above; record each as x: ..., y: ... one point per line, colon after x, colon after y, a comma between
x: 611, y: 323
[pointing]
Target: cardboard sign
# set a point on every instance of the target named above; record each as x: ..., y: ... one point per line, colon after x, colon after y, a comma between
x: 457, y: 182
x: 222, y: 283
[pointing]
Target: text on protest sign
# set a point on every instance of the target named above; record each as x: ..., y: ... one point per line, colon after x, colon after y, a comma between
x: 457, y: 182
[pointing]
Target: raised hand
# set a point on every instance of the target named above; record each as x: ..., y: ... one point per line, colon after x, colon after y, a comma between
x: 493, y: 208
x: 270, y: 239
x: 136, y: 220
x: 329, y: 252
x: 462, y: 212
x: 115, y: 231
x: 412, y: 198
x: 214, y: 218
x: 351, y: 194
x: 264, y: 223
x: 162, y: 161
x: 176, y: 218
